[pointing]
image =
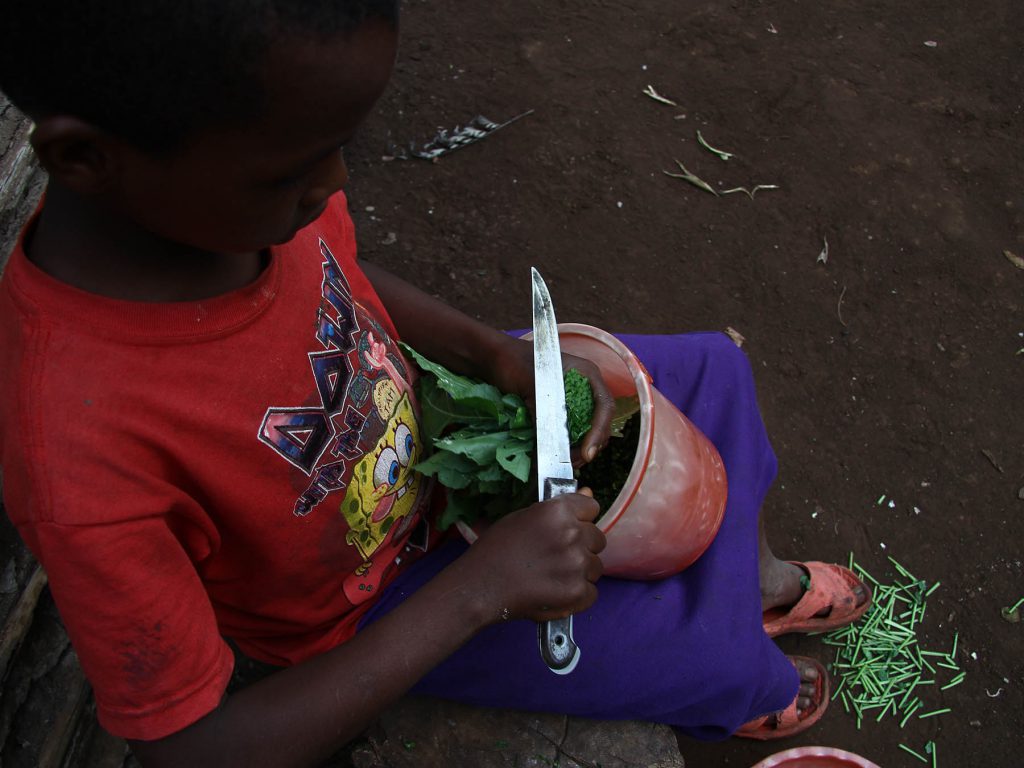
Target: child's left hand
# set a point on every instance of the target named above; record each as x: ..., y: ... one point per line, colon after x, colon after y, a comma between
x: 512, y: 371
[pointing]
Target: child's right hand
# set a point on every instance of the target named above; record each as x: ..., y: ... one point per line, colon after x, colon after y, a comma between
x: 540, y: 562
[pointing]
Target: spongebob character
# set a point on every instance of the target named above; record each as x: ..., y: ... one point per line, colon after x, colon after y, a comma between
x: 383, y: 489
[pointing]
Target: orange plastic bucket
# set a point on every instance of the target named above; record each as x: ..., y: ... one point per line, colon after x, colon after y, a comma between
x: 672, y: 503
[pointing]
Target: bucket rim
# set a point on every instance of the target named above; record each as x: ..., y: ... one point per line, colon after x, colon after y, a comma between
x: 642, y: 381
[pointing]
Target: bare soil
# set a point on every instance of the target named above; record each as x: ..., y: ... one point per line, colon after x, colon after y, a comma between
x: 893, y: 366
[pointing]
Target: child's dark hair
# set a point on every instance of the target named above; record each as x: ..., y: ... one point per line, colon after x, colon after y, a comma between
x: 154, y: 71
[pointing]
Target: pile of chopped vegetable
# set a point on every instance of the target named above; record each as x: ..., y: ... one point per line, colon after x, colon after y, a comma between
x: 607, y: 473
x: 579, y: 404
x: 879, y: 667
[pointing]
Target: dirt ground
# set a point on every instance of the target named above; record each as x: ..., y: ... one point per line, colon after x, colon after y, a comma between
x: 893, y: 366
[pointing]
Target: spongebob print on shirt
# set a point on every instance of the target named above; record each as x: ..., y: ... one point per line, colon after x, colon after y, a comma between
x: 358, y: 444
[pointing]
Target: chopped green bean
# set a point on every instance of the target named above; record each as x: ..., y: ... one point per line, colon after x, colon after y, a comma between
x: 900, y: 568
x: 905, y: 748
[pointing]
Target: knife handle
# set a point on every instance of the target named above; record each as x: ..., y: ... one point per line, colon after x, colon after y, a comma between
x: 557, y: 647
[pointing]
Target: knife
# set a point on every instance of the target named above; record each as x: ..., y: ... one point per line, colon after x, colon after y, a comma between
x: 554, y: 466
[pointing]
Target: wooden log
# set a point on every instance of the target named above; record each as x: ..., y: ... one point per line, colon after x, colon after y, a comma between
x: 51, y: 754
x: 20, y: 619
x: 21, y: 178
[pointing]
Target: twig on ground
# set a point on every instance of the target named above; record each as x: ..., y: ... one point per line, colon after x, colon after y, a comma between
x: 649, y: 91
x: 689, y: 177
x: 723, y: 155
x: 749, y: 192
x: 823, y: 256
x: 992, y: 459
x: 839, y: 307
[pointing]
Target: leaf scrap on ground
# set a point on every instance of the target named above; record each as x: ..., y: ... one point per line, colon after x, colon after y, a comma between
x: 1014, y: 259
x: 737, y: 337
x: 992, y: 459
x: 751, y: 191
x: 649, y: 91
x: 722, y: 154
x: 691, y: 178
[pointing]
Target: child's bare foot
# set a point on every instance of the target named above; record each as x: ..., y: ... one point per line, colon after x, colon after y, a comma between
x: 805, y: 710
x: 805, y: 696
x: 809, y: 597
x: 780, y: 586
x: 780, y: 583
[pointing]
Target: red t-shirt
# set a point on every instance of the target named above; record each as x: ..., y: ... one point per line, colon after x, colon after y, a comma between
x: 237, y: 466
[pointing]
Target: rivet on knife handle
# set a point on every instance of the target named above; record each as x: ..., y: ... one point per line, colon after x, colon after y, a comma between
x: 557, y: 647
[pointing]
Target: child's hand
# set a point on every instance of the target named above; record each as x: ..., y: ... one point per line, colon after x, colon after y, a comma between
x: 512, y: 371
x: 604, y: 409
x: 540, y: 562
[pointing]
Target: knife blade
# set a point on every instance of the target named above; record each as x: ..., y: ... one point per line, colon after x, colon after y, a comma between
x: 554, y: 464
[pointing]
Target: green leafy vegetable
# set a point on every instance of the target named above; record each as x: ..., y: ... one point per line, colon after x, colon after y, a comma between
x: 579, y: 404
x: 483, y: 440
x: 482, y: 443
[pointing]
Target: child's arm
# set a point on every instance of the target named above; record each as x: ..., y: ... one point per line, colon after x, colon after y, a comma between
x: 538, y: 563
x: 470, y: 347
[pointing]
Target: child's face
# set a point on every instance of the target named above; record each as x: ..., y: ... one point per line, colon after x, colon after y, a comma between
x: 240, y: 189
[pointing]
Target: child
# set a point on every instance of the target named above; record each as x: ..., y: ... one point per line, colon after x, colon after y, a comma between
x: 207, y: 428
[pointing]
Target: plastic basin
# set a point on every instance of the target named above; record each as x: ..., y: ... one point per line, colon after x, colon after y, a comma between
x: 815, y: 757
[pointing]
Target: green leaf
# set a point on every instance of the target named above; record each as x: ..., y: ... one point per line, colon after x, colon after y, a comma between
x: 513, y: 412
x: 521, y: 420
x: 486, y: 398
x: 514, y: 457
x: 480, y: 448
x: 493, y: 473
x: 451, y: 470
x: 437, y: 409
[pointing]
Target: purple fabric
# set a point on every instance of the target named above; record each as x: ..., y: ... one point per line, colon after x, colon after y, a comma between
x: 688, y: 651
